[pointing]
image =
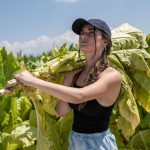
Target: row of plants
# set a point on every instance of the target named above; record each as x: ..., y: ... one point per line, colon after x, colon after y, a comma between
x: 28, y: 117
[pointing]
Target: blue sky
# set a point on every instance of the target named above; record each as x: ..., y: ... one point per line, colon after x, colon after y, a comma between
x: 35, y: 25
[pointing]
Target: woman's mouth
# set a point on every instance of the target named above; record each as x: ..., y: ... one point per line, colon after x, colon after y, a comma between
x: 83, y: 43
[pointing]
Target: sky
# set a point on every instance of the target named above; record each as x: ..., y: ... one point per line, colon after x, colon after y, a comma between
x: 35, y: 26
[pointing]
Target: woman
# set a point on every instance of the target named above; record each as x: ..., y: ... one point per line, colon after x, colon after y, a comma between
x: 90, y: 92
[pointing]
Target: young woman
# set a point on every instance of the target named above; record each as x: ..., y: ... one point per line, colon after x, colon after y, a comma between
x: 90, y: 92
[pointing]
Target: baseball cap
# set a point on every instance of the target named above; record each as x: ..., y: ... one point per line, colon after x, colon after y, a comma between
x: 100, y: 24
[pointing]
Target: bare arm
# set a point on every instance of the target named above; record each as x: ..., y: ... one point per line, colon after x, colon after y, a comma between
x: 62, y: 107
x: 97, y: 90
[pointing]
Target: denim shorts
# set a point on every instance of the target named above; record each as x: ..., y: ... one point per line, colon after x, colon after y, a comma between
x: 95, y: 141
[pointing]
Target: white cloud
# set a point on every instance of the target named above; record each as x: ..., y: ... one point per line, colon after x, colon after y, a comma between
x: 41, y: 44
x: 67, y: 1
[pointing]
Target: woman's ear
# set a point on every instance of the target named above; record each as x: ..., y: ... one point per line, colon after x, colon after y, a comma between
x: 105, y: 43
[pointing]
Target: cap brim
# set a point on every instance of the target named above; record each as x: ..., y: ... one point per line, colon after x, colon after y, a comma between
x: 78, y: 24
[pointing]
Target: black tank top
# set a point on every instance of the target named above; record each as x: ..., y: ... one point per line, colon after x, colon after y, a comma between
x: 92, y: 118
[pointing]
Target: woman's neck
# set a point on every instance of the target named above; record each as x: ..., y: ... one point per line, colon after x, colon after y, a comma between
x: 89, y: 63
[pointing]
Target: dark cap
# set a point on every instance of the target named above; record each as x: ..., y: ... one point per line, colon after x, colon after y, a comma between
x: 100, y: 24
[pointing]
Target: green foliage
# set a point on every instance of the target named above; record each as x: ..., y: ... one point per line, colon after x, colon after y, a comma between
x: 23, y: 114
x: 15, y: 110
x: 21, y: 136
x: 140, y: 140
x: 148, y: 39
x: 8, y: 67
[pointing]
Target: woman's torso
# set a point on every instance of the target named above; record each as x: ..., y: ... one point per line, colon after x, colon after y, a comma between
x: 94, y: 117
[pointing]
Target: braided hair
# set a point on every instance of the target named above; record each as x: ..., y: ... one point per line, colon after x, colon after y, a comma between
x: 99, y: 66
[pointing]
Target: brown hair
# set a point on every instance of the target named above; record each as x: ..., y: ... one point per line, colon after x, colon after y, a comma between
x: 98, y: 67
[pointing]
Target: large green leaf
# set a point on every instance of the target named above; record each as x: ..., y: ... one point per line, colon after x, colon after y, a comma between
x: 145, y: 123
x: 20, y: 137
x: 129, y: 111
x: 123, y: 57
x: 4, y: 54
x: 52, y: 66
x: 140, y: 140
x: 2, y: 76
x: 142, y: 95
x: 138, y: 62
x: 14, y: 115
x: 25, y: 108
x: 126, y: 127
x: 4, y: 115
x: 65, y: 128
x: 114, y: 129
x: 122, y: 40
x: 8, y: 67
x: 63, y: 49
x: 136, y: 33
x: 45, y: 124
x: 134, y: 58
x: 55, y: 52
x: 127, y: 105
x: 142, y: 78
x: 148, y: 39
x: 32, y: 118
x: 114, y: 62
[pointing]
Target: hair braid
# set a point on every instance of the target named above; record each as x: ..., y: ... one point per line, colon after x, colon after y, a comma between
x: 92, y: 76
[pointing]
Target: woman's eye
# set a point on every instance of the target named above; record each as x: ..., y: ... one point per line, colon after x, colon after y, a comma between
x: 82, y: 33
x: 91, y: 33
x: 88, y: 34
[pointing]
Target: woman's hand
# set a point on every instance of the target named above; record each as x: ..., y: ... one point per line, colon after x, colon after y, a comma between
x: 70, y: 75
x: 25, y: 78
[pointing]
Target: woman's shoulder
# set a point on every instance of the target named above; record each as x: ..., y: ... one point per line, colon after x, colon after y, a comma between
x: 111, y: 71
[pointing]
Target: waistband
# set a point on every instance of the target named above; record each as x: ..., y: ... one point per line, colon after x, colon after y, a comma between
x: 97, y: 134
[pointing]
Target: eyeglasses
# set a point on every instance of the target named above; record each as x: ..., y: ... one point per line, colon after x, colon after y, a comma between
x: 87, y: 34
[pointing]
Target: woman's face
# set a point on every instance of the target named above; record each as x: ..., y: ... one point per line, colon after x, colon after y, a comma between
x: 87, y: 41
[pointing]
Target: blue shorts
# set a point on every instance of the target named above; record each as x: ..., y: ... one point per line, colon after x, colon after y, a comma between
x: 95, y: 141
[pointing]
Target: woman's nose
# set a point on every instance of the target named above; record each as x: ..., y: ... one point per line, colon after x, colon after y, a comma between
x: 84, y: 36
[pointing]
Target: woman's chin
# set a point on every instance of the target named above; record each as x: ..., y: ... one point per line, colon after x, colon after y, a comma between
x: 83, y: 48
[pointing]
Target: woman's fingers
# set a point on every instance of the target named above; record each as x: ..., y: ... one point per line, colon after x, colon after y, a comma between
x: 25, y: 77
x: 11, y: 83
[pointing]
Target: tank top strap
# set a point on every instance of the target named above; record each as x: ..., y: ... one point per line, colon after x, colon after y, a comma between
x: 75, y: 79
